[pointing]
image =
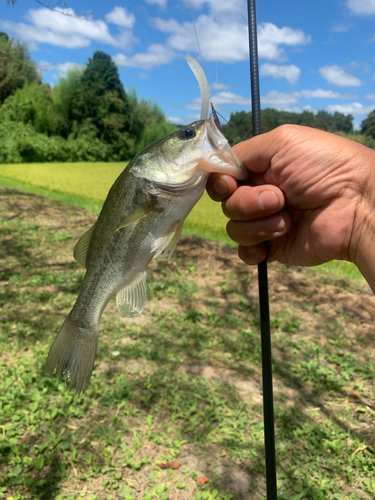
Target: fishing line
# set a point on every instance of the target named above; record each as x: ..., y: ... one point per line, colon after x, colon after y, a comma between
x: 217, y: 43
x: 268, y: 414
x: 196, y: 36
x: 221, y: 116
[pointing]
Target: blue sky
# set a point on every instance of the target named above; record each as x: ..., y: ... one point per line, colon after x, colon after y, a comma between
x: 313, y: 55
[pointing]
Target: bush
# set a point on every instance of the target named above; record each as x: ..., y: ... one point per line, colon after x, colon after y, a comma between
x: 20, y: 143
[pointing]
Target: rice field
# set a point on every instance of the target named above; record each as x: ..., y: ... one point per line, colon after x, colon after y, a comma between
x: 87, y: 184
x: 92, y: 181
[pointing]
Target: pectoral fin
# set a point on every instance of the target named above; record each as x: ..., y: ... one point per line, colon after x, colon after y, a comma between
x: 137, y: 214
x: 80, y: 250
x: 167, y: 243
x: 131, y: 300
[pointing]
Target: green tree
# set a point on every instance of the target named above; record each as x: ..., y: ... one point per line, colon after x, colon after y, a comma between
x: 307, y: 119
x: 65, y: 96
x: 87, y: 116
x: 16, y: 67
x: 102, y: 94
x: 337, y: 122
x: 101, y: 74
x: 240, y: 127
x: 342, y: 123
x: 368, y: 125
x: 32, y: 104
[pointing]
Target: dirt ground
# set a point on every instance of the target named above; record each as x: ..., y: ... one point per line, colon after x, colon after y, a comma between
x: 313, y: 297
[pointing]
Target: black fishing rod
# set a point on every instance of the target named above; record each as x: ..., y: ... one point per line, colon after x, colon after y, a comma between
x: 268, y: 414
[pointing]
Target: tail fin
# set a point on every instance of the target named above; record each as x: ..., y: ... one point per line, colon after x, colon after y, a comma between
x: 73, y: 354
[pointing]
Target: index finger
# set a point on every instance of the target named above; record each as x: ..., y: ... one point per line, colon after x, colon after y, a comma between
x: 256, y: 153
x: 220, y: 186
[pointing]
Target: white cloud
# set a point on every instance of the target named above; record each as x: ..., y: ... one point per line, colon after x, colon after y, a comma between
x: 195, y: 103
x: 356, y: 65
x: 337, y: 76
x: 62, y: 68
x: 370, y: 97
x: 284, y: 100
x: 121, y: 17
x: 275, y: 99
x: 341, y: 28
x: 230, y: 98
x: 231, y: 8
x: 323, y: 94
x: 175, y: 120
x: 50, y: 26
x: 270, y: 37
x: 290, y: 73
x: 156, y: 55
x: 193, y: 117
x: 361, y: 7
x: 354, y: 108
x: 161, y: 3
x: 220, y: 99
x: 232, y: 42
x: 125, y: 39
x: 220, y: 86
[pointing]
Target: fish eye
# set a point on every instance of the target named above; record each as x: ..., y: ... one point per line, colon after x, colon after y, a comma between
x: 186, y: 133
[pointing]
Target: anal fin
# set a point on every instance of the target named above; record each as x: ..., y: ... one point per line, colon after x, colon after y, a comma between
x: 131, y: 300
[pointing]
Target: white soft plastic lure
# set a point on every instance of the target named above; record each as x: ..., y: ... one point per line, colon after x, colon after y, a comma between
x: 200, y: 75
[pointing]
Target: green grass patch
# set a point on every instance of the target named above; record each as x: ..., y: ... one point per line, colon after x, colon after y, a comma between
x: 66, y: 198
x: 90, y: 181
x: 341, y: 268
x: 87, y: 185
x: 183, y: 381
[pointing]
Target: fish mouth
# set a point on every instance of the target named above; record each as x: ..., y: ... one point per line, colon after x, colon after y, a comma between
x: 221, y: 157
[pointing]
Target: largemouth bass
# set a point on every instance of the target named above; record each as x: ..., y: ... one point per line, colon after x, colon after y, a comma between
x: 142, y: 217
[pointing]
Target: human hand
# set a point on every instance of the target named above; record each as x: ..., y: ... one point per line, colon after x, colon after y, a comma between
x: 324, y: 199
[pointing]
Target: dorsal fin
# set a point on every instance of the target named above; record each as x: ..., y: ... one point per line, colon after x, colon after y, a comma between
x: 80, y: 250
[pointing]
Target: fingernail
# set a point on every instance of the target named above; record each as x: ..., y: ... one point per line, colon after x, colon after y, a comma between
x: 268, y: 200
x: 221, y: 187
x: 276, y: 223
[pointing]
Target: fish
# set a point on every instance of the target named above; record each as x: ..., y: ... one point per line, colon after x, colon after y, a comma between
x: 142, y: 217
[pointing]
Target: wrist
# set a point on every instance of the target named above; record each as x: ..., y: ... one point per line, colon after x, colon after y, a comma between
x: 364, y: 252
x: 362, y: 247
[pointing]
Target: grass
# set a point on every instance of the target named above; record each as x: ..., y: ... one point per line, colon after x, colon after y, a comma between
x: 182, y: 382
x: 90, y: 181
x: 87, y: 185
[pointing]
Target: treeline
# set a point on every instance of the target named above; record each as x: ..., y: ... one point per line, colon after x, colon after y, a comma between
x: 240, y: 126
x: 87, y: 116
